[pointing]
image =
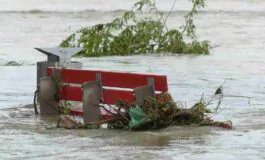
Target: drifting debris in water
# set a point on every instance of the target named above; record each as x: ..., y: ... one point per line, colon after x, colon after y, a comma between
x: 153, y: 114
x: 13, y: 63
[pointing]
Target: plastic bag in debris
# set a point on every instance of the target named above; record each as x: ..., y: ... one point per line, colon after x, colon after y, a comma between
x: 138, y: 117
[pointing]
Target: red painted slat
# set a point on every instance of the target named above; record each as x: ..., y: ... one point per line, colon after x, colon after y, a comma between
x: 112, y: 79
x: 111, y: 96
x: 71, y: 93
x: 75, y: 76
x: 76, y: 112
x: 132, y: 80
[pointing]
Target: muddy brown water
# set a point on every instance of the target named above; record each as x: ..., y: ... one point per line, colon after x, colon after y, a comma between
x: 238, y: 26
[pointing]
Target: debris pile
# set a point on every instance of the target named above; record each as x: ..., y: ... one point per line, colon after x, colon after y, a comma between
x: 154, y: 113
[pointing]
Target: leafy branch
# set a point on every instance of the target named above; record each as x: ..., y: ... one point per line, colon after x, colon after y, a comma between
x: 135, y: 33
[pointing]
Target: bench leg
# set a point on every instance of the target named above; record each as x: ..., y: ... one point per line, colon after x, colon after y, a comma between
x: 91, y: 98
x: 41, y: 72
x: 141, y: 93
x: 48, y: 105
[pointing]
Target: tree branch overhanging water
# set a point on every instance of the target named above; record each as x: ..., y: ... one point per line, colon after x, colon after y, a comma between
x: 136, y: 33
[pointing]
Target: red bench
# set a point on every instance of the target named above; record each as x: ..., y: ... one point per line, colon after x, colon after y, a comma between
x: 111, y: 86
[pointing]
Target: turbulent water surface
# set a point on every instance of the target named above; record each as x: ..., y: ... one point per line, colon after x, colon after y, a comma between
x: 237, y: 26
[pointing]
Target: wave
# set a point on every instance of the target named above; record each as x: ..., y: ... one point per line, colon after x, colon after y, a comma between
x: 37, y: 11
x: 16, y: 63
x: 88, y: 6
x: 80, y: 6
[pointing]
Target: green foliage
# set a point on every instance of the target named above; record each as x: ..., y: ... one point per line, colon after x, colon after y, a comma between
x: 132, y: 34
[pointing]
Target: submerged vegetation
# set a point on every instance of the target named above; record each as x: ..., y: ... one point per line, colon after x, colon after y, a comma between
x: 136, y: 33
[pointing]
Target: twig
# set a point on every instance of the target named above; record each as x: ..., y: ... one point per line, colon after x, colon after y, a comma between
x: 202, y: 97
x: 47, y: 126
x: 219, y: 103
x: 238, y: 96
x: 34, y: 102
x: 157, y: 13
x: 103, y: 121
x: 170, y: 11
x: 106, y: 109
x: 217, y: 112
x: 119, y: 113
x: 217, y: 45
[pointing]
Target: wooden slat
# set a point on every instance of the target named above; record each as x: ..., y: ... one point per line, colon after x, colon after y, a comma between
x: 111, y: 96
x: 71, y: 93
x: 132, y: 80
x: 75, y: 76
x: 112, y: 79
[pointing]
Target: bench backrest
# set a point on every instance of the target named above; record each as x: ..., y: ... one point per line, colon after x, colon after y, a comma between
x: 115, y: 85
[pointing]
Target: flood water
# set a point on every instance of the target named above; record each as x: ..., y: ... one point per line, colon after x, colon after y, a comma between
x: 238, y: 28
